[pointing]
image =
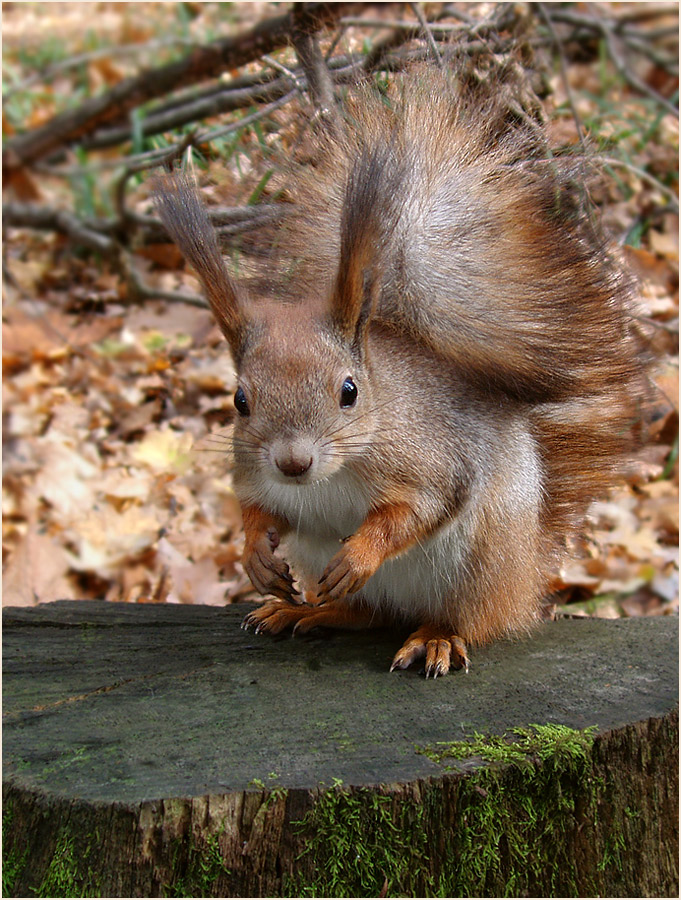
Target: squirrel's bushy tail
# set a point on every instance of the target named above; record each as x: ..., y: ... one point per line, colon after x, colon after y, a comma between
x: 492, y: 258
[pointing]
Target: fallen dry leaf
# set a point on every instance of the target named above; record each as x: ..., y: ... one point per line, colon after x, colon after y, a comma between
x: 37, y: 571
x: 117, y: 413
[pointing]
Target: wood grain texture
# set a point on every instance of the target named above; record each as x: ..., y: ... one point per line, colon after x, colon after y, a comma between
x: 149, y: 731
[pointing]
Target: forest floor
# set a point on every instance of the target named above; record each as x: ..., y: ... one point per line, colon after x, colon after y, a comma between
x: 116, y: 411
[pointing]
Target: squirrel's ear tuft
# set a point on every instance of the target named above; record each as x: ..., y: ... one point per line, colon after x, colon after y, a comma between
x: 185, y: 219
x: 370, y: 212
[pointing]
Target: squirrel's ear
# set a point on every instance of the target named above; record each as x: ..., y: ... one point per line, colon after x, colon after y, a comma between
x: 355, y: 293
x: 185, y: 219
x: 370, y: 212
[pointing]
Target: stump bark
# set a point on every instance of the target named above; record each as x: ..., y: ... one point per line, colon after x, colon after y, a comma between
x: 161, y: 751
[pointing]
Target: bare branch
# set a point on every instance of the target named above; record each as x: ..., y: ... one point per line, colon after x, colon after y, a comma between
x: 290, y: 73
x: 317, y: 74
x: 607, y: 29
x: 563, y: 70
x: 398, y: 36
x: 138, y: 290
x: 44, y: 218
x: 441, y: 30
x: 206, y: 108
x: 207, y: 62
x: 213, y: 102
x: 418, y: 12
x: 629, y: 76
x: 644, y: 12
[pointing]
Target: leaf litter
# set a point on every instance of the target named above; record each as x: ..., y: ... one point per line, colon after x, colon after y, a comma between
x: 116, y: 473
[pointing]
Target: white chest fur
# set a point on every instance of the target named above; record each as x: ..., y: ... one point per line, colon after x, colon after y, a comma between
x: 330, y: 509
x: 323, y: 513
x: 417, y: 582
x: 426, y: 577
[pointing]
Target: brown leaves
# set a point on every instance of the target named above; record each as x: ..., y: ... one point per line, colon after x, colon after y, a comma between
x: 37, y: 571
x: 104, y: 494
x: 629, y: 562
x: 30, y: 338
x: 113, y: 486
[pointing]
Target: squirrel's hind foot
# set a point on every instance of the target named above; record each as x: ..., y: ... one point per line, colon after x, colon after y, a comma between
x: 441, y: 649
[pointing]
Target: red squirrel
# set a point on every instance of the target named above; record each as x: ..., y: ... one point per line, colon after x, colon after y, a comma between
x: 445, y: 376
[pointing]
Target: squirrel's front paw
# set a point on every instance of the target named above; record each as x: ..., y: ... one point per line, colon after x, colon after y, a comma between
x: 274, y: 616
x: 348, y: 571
x: 269, y: 573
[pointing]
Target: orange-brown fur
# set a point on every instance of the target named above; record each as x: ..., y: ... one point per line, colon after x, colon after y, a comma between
x: 386, y: 531
x: 440, y: 260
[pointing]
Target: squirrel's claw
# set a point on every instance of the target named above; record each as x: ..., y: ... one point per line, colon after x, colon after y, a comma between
x: 276, y: 616
x: 441, y: 650
x: 269, y: 573
x: 271, y: 617
x: 343, y: 576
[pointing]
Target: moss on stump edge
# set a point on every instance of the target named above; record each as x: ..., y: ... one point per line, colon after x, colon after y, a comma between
x: 556, y: 812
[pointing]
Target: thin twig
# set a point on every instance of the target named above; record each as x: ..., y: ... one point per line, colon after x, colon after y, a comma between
x: 418, y: 12
x: 284, y: 70
x: 192, y: 94
x: 208, y: 136
x: 643, y: 12
x: 647, y: 49
x: 629, y: 76
x: 453, y: 11
x: 644, y: 176
x: 138, y: 290
x: 608, y: 30
x: 400, y: 24
x: 334, y: 43
x: 132, y: 169
x: 656, y: 34
x: 563, y: 70
x: 319, y: 81
x: 151, y: 158
x: 207, y: 108
x: 44, y: 218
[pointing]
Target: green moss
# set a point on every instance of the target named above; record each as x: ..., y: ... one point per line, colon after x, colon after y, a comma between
x: 504, y: 829
x: 274, y: 794
x: 361, y: 845
x: 68, y: 872
x: 62, y: 877
x: 536, y: 741
x: 517, y: 813
x: 612, y: 853
x: 12, y: 862
x: 204, y: 865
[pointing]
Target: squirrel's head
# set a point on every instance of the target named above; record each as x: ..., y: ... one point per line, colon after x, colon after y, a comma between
x: 303, y: 396
x: 303, y: 399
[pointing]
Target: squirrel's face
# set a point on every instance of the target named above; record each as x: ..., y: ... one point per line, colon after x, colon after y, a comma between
x: 302, y: 402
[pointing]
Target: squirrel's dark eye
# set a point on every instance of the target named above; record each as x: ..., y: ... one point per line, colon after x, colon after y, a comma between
x: 348, y: 393
x: 241, y: 403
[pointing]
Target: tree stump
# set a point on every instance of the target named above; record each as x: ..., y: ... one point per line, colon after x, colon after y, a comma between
x: 162, y: 751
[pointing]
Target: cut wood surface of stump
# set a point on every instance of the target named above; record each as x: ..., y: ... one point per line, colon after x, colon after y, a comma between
x: 160, y: 750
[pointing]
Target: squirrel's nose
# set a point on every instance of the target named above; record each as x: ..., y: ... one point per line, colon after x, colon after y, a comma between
x: 292, y: 466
